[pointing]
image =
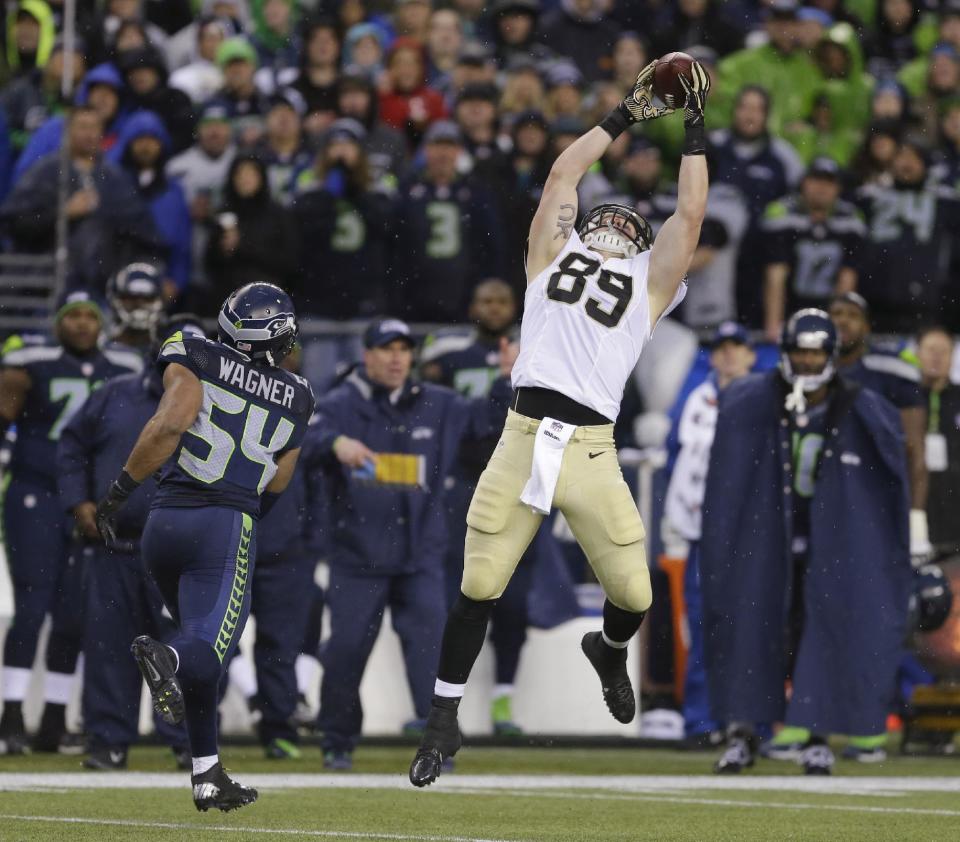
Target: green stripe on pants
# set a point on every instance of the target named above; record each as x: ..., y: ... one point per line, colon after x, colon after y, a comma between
x: 229, y: 625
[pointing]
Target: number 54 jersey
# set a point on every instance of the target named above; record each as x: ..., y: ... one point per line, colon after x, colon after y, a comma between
x: 250, y: 416
x: 585, y: 322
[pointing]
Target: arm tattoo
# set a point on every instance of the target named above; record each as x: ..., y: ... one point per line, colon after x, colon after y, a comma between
x: 565, y: 220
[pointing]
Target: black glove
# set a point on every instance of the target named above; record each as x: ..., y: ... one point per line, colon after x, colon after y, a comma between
x: 697, y: 89
x: 123, y: 486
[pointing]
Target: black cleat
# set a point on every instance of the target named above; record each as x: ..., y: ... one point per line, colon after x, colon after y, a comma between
x: 214, y: 788
x: 159, y: 667
x: 14, y: 744
x: 441, y: 740
x: 737, y: 756
x: 53, y: 726
x: 611, y: 666
x: 106, y: 759
x: 817, y: 758
x: 73, y: 743
x: 13, y: 735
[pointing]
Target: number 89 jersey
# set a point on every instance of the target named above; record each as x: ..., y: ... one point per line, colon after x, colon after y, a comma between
x: 585, y: 322
x: 250, y: 416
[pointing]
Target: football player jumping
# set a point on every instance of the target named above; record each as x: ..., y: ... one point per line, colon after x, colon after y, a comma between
x: 595, y: 292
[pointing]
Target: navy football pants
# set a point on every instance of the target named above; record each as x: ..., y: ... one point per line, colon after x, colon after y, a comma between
x: 696, y: 701
x: 45, y: 580
x: 283, y: 592
x: 122, y: 602
x: 356, y: 610
x: 202, y: 561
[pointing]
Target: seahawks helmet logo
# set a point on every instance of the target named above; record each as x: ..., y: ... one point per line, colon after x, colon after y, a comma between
x: 280, y: 325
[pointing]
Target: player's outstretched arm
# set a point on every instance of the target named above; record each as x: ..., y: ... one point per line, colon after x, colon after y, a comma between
x: 178, y: 409
x: 557, y: 212
x: 677, y: 239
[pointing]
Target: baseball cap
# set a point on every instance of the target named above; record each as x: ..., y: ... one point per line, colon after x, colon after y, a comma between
x: 383, y: 331
x: 346, y: 128
x: 818, y: 15
x: 566, y: 124
x: 236, y: 49
x: 639, y: 143
x: 291, y: 98
x: 474, y: 54
x: 563, y: 73
x: 443, y: 131
x: 823, y: 167
x: 531, y: 118
x: 730, y: 332
x: 783, y: 8
x: 76, y: 299
x: 485, y: 91
x: 215, y: 112
x: 945, y: 48
x: 703, y: 54
x: 854, y: 298
x: 502, y: 7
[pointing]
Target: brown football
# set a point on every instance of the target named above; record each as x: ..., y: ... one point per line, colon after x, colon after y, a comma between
x: 666, y: 78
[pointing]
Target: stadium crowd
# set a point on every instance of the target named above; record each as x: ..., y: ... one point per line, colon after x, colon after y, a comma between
x: 385, y: 158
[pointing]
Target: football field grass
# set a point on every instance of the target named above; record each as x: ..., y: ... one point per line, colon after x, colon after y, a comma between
x: 496, y: 795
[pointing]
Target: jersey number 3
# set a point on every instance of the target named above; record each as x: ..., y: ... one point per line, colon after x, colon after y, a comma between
x: 566, y: 285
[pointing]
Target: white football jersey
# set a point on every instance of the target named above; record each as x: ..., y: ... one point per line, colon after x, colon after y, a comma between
x: 585, y: 322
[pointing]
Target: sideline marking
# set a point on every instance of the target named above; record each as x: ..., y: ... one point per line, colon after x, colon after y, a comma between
x: 834, y: 785
x: 325, y: 834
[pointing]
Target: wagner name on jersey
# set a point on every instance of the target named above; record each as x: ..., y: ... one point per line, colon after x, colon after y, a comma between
x: 585, y: 322
x: 250, y: 416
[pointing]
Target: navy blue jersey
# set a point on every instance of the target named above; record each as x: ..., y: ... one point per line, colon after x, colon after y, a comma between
x: 463, y: 362
x: 250, y: 416
x: 808, y: 434
x: 906, y: 274
x: 450, y: 239
x: 814, y: 252
x: 892, y: 377
x: 59, y: 384
x: 469, y: 366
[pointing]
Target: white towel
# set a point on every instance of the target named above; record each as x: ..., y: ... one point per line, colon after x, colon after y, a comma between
x: 552, y: 438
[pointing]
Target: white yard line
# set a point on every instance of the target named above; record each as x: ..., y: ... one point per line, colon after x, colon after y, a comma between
x: 321, y: 834
x: 835, y: 785
x: 721, y: 802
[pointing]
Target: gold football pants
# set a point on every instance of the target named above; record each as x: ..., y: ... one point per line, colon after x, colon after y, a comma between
x: 590, y: 493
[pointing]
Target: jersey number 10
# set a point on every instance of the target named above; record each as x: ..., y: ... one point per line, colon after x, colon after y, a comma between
x: 578, y: 269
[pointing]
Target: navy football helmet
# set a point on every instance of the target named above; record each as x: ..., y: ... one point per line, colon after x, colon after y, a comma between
x: 259, y: 321
x: 807, y: 330
x: 931, y: 600
x: 135, y: 297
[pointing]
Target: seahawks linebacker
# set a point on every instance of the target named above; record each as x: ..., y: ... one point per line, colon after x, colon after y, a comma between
x: 595, y: 293
x: 227, y: 433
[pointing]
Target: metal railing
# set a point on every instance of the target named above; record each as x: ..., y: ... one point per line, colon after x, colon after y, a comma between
x: 27, y: 292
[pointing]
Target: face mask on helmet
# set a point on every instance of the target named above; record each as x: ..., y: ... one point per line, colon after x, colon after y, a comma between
x: 807, y: 330
x: 615, y: 229
x: 135, y: 298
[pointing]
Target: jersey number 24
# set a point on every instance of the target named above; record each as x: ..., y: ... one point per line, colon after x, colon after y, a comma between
x: 567, y: 284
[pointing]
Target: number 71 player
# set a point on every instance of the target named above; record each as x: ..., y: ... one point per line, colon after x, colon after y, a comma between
x: 595, y: 293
